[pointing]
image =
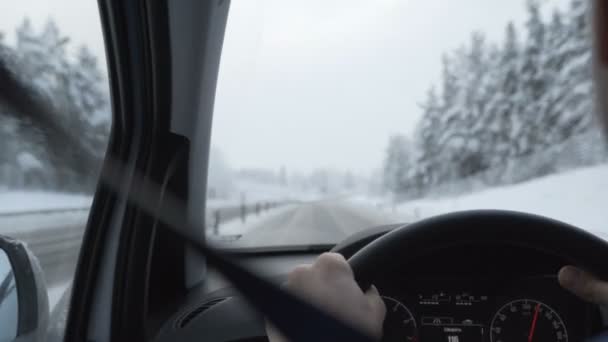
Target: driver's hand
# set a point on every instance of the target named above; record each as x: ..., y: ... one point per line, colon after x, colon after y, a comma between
x: 329, y: 284
x: 584, y: 285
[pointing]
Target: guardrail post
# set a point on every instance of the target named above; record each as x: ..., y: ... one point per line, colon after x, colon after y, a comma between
x: 257, y: 209
x: 216, y: 223
x: 243, y: 212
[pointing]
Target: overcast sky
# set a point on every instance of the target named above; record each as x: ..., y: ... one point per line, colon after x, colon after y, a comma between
x: 319, y: 83
x: 314, y: 83
x: 77, y: 19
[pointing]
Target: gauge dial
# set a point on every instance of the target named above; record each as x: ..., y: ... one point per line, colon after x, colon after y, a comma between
x: 527, y: 320
x: 399, y: 324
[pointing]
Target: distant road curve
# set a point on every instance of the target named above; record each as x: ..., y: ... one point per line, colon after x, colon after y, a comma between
x: 319, y: 222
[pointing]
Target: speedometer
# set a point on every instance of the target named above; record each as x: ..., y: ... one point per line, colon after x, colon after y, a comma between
x: 399, y: 324
x: 527, y: 320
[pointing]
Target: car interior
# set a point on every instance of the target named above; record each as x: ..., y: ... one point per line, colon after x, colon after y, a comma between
x: 146, y: 273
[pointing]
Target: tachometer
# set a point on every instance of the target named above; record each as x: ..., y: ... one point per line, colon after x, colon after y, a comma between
x: 527, y: 320
x: 399, y: 324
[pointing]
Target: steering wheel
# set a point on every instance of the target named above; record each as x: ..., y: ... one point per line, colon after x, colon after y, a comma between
x: 411, y: 242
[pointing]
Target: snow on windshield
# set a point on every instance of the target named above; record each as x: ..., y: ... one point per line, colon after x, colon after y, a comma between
x: 333, y: 117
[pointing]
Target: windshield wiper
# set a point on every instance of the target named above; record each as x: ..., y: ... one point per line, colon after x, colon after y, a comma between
x: 235, y: 249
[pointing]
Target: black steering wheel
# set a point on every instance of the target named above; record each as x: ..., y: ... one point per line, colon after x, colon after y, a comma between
x: 411, y: 242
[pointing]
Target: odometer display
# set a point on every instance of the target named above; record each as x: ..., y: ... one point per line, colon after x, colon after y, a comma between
x: 527, y: 320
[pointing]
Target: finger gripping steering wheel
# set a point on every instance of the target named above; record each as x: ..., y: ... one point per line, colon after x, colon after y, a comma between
x: 414, y: 241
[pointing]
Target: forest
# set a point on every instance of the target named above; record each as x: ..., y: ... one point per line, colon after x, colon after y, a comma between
x: 503, y: 112
x: 77, y: 88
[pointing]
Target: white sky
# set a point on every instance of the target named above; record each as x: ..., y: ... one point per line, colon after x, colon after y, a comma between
x: 314, y: 83
x: 77, y: 19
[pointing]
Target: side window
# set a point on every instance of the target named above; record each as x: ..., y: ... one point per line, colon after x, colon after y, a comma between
x: 57, y: 51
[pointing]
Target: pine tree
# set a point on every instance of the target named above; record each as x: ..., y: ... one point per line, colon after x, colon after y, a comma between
x: 88, y: 96
x: 574, y: 78
x: 503, y: 117
x: 398, y: 163
x: 449, y: 80
x: 76, y: 90
x: 557, y: 92
x: 461, y: 121
x: 428, y: 168
x: 473, y: 130
x: 529, y: 137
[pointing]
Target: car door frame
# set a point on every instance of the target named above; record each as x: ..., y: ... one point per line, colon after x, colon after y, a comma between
x: 163, y: 61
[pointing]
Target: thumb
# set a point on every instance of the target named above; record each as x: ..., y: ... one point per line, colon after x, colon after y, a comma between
x: 583, y: 284
x: 376, y: 317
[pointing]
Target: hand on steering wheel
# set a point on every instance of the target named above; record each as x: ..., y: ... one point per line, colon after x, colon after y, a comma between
x: 330, y: 284
x: 584, y: 285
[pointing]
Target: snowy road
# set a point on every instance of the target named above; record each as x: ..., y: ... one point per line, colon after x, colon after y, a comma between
x: 320, y: 222
x: 55, y: 238
x: 578, y: 197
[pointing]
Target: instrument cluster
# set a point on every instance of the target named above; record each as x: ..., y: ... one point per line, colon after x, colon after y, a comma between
x: 481, y: 310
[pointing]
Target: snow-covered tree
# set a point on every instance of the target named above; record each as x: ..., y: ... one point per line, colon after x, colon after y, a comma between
x: 502, y: 121
x: 573, y: 79
x: 534, y: 82
x: 428, y: 168
x: 497, y: 103
x: 398, y: 164
x: 77, y: 91
x: 453, y: 125
x: 87, y: 95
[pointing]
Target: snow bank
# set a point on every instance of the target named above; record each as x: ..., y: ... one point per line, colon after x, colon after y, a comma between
x: 56, y: 292
x: 578, y: 197
x: 19, y: 201
x: 31, y: 224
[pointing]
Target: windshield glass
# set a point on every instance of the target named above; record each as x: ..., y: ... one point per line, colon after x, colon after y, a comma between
x: 332, y: 117
x: 56, y: 49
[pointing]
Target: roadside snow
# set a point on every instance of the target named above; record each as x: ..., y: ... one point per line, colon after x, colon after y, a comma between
x: 221, y: 203
x: 56, y: 292
x: 23, y: 202
x: 32, y: 223
x: 578, y: 197
x: 19, y: 201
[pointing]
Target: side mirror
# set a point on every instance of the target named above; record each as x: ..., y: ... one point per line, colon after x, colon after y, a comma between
x: 23, y: 298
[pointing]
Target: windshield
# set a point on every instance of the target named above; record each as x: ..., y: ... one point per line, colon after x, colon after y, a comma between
x: 332, y: 117
x: 56, y: 49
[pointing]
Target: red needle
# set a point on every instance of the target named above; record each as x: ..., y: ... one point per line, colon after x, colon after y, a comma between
x: 533, y: 327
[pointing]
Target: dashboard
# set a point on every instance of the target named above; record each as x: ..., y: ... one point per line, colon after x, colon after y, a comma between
x: 464, y: 293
